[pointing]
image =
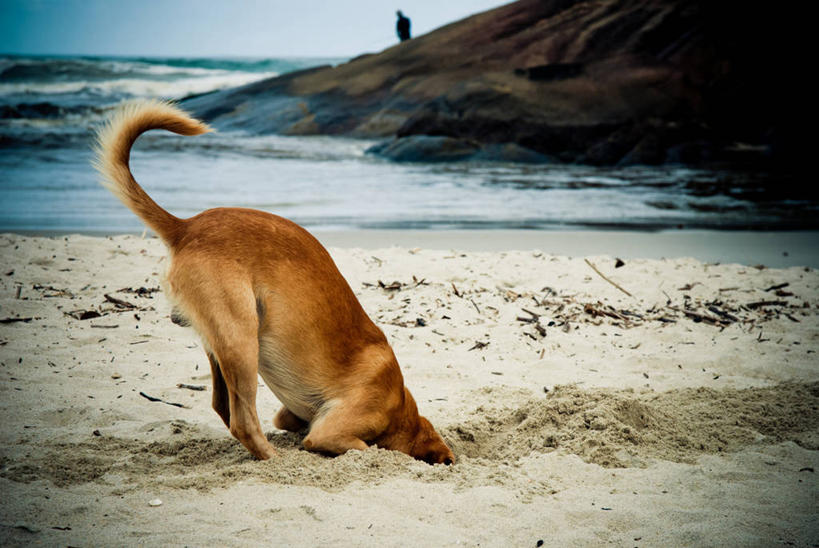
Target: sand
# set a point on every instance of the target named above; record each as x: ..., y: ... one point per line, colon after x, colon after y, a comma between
x: 684, y: 413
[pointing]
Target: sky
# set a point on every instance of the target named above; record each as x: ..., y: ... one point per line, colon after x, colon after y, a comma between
x: 211, y: 28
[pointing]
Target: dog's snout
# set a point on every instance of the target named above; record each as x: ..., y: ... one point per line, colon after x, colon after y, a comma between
x: 447, y: 461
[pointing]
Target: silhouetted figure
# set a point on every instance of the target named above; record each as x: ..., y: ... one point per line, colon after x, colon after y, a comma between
x: 402, y: 26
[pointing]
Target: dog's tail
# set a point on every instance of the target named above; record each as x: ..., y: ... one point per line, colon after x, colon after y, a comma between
x: 113, y: 150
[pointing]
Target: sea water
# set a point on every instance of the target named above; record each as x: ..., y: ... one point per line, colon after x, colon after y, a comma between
x: 50, y: 107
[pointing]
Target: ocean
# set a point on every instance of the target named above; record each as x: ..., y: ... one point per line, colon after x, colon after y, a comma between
x: 49, y: 107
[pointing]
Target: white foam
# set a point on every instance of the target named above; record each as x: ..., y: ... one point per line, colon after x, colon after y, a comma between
x: 138, y: 87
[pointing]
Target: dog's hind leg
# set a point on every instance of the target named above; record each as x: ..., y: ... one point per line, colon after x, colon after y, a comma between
x: 286, y: 420
x: 344, y: 426
x: 237, y: 354
x: 221, y: 398
x: 225, y: 316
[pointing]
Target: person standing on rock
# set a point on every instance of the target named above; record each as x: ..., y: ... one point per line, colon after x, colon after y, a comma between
x: 402, y: 26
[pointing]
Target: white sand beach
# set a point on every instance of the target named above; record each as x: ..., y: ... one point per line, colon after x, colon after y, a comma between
x: 671, y: 403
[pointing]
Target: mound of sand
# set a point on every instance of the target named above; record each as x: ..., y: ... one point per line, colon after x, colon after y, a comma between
x: 623, y: 428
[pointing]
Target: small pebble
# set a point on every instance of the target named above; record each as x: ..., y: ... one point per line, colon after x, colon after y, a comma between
x: 155, y: 502
x: 116, y: 376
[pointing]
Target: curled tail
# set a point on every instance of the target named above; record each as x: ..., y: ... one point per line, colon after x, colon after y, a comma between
x: 113, y: 150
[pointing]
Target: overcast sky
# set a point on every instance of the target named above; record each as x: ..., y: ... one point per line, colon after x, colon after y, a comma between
x: 272, y: 28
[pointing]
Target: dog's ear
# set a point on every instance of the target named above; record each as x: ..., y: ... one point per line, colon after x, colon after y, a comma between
x: 430, y: 447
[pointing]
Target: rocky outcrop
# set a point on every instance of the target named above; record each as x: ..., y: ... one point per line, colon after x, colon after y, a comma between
x: 429, y: 148
x: 600, y: 82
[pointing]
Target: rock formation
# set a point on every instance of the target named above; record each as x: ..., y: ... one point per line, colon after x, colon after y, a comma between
x: 599, y: 82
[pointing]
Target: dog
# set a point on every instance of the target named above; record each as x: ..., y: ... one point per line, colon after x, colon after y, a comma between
x: 266, y: 298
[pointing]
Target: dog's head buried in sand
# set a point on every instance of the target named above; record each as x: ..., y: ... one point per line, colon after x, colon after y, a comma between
x: 266, y: 298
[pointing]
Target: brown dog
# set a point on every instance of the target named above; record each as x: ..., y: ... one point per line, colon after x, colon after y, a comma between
x: 267, y: 299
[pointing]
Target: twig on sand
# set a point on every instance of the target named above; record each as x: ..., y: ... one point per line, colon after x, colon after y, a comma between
x: 698, y: 317
x: 722, y: 313
x: 777, y: 286
x: 13, y: 320
x: 394, y: 286
x: 83, y: 314
x: 119, y: 302
x: 197, y: 387
x: 760, y: 304
x: 605, y: 278
x: 151, y: 398
x: 417, y: 282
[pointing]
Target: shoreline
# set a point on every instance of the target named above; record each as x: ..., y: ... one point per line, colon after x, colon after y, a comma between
x: 773, y: 249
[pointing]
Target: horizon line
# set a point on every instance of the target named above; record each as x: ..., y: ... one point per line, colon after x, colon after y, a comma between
x: 178, y: 56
